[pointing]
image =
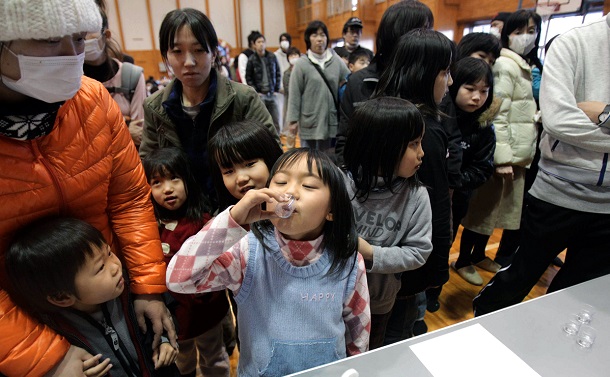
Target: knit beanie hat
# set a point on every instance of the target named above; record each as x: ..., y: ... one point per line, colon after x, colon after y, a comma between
x: 41, y: 19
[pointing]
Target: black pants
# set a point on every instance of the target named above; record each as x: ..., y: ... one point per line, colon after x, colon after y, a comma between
x: 379, y: 323
x: 547, y: 230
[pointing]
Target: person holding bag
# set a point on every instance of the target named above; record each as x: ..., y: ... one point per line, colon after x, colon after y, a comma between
x: 311, y: 108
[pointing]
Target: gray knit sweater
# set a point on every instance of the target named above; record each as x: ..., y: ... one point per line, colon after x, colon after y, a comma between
x: 310, y: 102
x: 399, y: 227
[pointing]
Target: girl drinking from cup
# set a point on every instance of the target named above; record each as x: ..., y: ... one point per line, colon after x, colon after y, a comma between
x: 298, y: 281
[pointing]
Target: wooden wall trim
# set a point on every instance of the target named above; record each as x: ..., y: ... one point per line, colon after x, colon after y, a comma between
x: 151, y: 28
x: 237, y: 18
x: 262, y: 17
x: 118, y: 16
x: 207, y: 8
x: 178, y: 4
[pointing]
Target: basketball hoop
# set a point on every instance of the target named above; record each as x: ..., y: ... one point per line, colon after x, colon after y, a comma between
x: 550, y: 7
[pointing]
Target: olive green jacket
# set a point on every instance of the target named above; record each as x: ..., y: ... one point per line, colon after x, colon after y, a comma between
x: 234, y: 102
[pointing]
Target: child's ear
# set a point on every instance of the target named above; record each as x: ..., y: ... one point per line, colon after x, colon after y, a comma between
x: 329, y: 216
x: 61, y: 299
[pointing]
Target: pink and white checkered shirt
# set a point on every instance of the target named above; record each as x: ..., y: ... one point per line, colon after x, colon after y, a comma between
x: 216, y: 258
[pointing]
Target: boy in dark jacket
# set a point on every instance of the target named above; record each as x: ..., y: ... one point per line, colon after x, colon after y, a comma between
x: 64, y: 273
x: 263, y: 74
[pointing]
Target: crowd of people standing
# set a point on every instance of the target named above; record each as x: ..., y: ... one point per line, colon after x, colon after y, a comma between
x: 112, y: 194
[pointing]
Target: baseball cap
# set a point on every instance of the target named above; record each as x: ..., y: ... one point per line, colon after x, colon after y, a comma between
x: 353, y: 22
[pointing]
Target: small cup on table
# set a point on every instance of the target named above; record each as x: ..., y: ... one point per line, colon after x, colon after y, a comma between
x: 586, y: 336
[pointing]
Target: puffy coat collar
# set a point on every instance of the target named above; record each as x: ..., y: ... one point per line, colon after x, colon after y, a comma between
x: 510, y: 54
x: 490, y: 114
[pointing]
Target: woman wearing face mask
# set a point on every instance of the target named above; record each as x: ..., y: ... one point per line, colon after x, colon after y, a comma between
x: 103, y: 63
x: 65, y: 151
x: 497, y: 204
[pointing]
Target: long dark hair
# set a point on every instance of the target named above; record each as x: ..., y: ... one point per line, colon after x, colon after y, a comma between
x: 339, y: 235
x: 469, y: 71
x: 167, y: 162
x: 200, y: 25
x: 380, y: 132
x: 419, y: 56
x: 396, y: 21
x: 236, y: 143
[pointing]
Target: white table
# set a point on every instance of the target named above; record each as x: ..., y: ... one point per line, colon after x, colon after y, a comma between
x: 532, y: 330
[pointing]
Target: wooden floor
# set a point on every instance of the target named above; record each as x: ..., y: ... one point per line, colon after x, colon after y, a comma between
x: 456, y: 297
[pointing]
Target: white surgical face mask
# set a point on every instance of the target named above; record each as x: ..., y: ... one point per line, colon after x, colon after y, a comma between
x: 284, y: 45
x: 94, y: 49
x: 495, y: 32
x: 50, y: 79
x: 293, y: 61
x: 522, y: 44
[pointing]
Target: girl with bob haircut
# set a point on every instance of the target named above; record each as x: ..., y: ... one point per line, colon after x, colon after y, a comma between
x: 268, y: 269
x: 241, y: 157
x: 182, y: 210
x: 382, y: 155
x: 472, y: 94
x: 197, y: 96
x: 498, y: 203
x: 314, y: 89
x: 419, y: 72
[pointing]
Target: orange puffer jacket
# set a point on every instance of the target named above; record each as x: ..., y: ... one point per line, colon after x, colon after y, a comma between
x: 88, y: 168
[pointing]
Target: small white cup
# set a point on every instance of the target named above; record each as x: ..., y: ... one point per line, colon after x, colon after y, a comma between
x: 586, y: 336
x: 585, y: 314
x: 572, y: 325
x: 285, y: 209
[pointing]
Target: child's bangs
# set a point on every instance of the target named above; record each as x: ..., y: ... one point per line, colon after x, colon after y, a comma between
x: 227, y: 156
x: 470, y: 71
x: 161, y: 171
x: 236, y: 149
x: 293, y: 156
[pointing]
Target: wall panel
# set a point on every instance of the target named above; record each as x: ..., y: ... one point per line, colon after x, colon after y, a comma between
x: 250, y: 11
x: 113, y: 21
x: 222, y: 16
x: 195, y: 4
x: 274, y: 25
x: 158, y: 10
x: 136, y: 29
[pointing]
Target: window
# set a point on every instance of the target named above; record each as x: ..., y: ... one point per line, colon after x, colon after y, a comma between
x: 558, y: 25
